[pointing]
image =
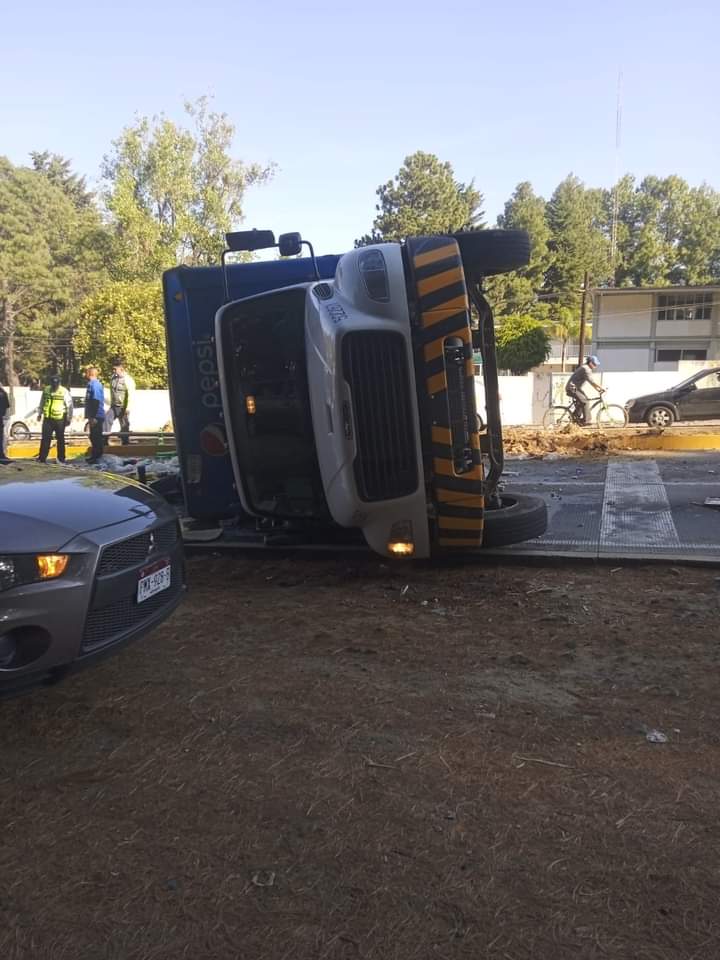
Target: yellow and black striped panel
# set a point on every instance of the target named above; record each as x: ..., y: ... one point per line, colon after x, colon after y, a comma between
x: 443, y: 310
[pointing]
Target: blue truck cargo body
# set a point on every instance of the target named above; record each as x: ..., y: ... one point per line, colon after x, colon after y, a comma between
x: 192, y: 297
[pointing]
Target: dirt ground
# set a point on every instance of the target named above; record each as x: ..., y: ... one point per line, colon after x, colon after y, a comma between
x: 592, y: 441
x: 341, y: 759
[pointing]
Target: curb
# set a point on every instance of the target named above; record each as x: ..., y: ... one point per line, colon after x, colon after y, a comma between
x: 669, y: 441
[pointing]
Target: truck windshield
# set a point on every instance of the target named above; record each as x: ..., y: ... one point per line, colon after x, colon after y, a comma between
x: 263, y: 350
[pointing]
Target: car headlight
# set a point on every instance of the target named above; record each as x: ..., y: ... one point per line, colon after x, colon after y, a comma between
x: 31, y: 568
x: 630, y: 403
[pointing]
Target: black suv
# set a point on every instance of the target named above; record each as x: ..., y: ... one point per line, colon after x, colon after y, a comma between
x: 697, y: 398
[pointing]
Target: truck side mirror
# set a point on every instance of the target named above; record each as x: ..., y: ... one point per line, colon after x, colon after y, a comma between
x: 250, y: 240
x: 289, y: 244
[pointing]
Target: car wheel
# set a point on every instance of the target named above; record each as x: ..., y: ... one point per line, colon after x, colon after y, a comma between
x: 19, y: 431
x: 488, y: 252
x: 659, y: 417
x: 519, y: 518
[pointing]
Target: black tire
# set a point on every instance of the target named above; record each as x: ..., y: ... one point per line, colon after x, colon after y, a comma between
x: 19, y: 431
x: 659, y: 416
x: 520, y: 518
x: 486, y: 253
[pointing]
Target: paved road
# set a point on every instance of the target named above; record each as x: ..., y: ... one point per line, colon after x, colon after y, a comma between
x: 630, y: 506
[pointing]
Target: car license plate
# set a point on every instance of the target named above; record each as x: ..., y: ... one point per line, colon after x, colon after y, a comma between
x: 154, y: 579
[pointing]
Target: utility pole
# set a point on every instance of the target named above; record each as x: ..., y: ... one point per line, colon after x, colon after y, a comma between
x: 616, y: 197
x: 583, y: 312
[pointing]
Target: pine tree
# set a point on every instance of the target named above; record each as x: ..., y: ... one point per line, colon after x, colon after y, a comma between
x: 424, y: 198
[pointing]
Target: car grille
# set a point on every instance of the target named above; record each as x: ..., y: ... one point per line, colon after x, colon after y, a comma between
x: 133, y: 551
x: 375, y: 366
x: 107, y: 624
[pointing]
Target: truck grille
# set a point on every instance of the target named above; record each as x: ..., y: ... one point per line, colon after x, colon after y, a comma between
x: 107, y: 624
x: 375, y: 366
x: 133, y: 551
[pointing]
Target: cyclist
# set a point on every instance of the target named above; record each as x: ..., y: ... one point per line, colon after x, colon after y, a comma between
x: 575, y: 388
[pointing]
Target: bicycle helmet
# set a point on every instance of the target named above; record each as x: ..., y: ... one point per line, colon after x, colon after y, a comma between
x: 593, y: 359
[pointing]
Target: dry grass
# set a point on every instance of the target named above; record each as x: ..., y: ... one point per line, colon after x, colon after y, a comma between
x: 308, y: 762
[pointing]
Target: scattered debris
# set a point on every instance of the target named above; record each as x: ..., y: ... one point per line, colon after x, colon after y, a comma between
x: 141, y: 467
x: 656, y: 736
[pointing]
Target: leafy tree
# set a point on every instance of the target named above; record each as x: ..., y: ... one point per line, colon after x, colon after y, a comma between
x: 667, y: 232
x: 50, y: 257
x: 424, y: 198
x: 579, y: 243
x: 522, y: 343
x: 174, y: 192
x: 126, y: 318
x: 699, y: 242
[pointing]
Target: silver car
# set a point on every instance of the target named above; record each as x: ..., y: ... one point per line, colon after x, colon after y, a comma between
x: 88, y: 562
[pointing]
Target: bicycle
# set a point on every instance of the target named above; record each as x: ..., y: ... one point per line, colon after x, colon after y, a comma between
x: 607, y: 415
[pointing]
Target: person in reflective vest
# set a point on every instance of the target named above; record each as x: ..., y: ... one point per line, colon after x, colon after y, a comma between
x: 122, y: 392
x: 55, y: 411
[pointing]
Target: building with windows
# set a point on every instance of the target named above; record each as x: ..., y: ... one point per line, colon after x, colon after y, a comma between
x: 655, y: 328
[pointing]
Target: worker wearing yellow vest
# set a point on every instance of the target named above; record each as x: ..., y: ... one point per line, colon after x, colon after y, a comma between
x: 55, y: 411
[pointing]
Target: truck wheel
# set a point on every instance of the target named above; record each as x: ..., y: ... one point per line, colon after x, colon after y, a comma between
x: 489, y: 252
x: 659, y: 417
x: 519, y: 518
x: 19, y: 431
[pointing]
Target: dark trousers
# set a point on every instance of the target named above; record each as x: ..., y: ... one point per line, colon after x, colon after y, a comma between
x: 50, y: 427
x: 96, y: 439
x: 583, y: 402
x: 113, y: 414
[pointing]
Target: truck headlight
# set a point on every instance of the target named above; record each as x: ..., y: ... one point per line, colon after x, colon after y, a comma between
x: 371, y: 264
x: 30, y: 568
x: 401, y: 548
x: 400, y: 541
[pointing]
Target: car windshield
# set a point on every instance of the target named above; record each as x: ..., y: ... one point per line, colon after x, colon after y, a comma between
x: 692, y: 379
x: 265, y: 375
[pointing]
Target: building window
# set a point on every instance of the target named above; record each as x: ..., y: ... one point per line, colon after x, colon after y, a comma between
x: 685, y: 306
x: 674, y: 356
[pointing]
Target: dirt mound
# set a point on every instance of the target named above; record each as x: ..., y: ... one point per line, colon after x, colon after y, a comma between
x: 571, y: 440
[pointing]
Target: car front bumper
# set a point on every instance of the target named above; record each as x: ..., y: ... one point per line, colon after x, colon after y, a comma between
x: 79, y: 618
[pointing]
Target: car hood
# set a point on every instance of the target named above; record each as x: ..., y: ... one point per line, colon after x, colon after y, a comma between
x: 43, y: 506
x: 656, y: 397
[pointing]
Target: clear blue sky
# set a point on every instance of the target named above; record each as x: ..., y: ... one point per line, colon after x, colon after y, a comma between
x: 337, y: 94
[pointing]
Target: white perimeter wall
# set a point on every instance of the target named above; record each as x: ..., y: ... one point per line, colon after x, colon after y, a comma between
x: 151, y: 409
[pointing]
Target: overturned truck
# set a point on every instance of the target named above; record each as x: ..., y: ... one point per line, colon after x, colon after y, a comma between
x: 333, y: 398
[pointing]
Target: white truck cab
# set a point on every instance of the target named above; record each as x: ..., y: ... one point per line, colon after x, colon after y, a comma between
x: 350, y: 401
